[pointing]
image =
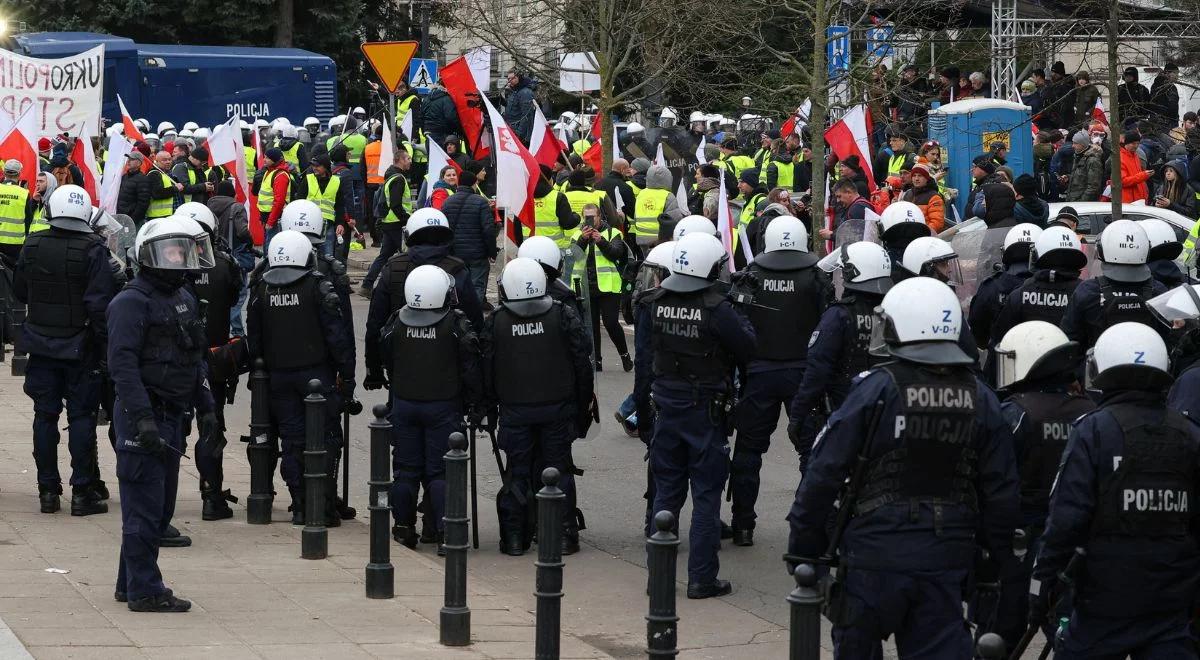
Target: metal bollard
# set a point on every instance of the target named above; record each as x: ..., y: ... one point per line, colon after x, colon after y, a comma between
x: 662, y: 624
x: 805, y: 599
x: 260, y: 449
x: 314, y: 540
x: 548, y: 589
x: 455, y: 615
x: 990, y: 647
x: 381, y: 577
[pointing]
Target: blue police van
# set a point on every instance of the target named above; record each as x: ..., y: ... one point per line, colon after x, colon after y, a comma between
x: 204, y: 84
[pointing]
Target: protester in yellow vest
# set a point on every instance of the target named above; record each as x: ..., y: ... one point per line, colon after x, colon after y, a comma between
x: 163, y: 188
x: 294, y: 151
x: 731, y: 160
x: 552, y: 214
x: 656, y: 210
x: 16, y: 213
x: 327, y: 192
x: 604, y: 253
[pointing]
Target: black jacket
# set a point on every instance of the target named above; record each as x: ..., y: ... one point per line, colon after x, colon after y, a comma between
x: 613, y: 182
x: 473, y: 223
x: 134, y: 197
x: 230, y: 214
x: 439, y: 116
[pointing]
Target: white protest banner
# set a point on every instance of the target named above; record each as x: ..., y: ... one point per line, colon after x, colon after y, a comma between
x: 65, y: 92
x: 479, y: 60
x: 577, y: 72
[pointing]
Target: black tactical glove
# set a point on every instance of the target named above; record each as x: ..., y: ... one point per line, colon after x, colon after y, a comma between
x: 475, y: 416
x: 345, y: 388
x: 745, y: 279
x: 206, y: 424
x: 375, y: 380
x: 148, y: 437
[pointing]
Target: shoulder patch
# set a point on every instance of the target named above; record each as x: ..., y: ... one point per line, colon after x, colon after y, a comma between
x: 813, y: 339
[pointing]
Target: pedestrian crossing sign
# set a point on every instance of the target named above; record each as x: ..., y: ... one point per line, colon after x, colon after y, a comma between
x: 422, y: 74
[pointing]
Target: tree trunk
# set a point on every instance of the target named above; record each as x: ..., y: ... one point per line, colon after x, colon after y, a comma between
x: 818, y: 93
x: 285, y: 28
x: 1114, y: 113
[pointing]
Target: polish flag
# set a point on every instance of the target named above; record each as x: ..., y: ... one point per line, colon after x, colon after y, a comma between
x: 388, y: 140
x: 593, y: 157
x: 700, y: 153
x: 438, y: 159
x: 460, y: 84
x: 1098, y: 112
x: 20, y: 143
x: 131, y: 130
x: 850, y: 136
x: 543, y: 144
x: 516, y: 173
x: 798, y: 120
x: 725, y: 223
x: 114, y: 171
x: 681, y: 197
x: 225, y: 148
x: 85, y: 159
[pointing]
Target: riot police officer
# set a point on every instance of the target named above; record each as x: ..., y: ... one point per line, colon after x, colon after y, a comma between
x: 901, y: 223
x: 1164, y: 248
x: 544, y: 251
x: 434, y: 370
x: 1036, y: 366
x: 929, y: 256
x: 217, y: 289
x: 1119, y: 294
x: 538, y: 369
x: 1057, y: 258
x: 939, y: 470
x: 1122, y: 495
x: 791, y: 295
x: 838, y: 349
x: 295, y: 326
x: 994, y: 289
x: 156, y: 358
x: 695, y: 338
x: 1181, y: 308
x: 64, y: 277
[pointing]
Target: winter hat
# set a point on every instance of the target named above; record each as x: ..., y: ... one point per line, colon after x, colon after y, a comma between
x: 200, y: 154
x: 1129, y: 137
x: 1068, y: 213
x: 324, y: 161
x: 640, y: 165
x: 339, y: 154
x: 1081, y: 138
x: 1025, y: 185
x: 1059, y: 68
x: 852, y: 162
x: 44, y: 144
x: 923, y: 170
x: 749, y: 176
x: 985, y: 163
x: 225, y: 187
x: 275, y: 154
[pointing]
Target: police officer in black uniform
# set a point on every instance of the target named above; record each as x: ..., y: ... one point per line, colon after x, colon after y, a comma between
x: 940, y: 473
x: 695, y: 340
x: 1036, y: 366
x: 156, y: 359
x: 537, y: 366
x: 295, y: 325
x: 791, y: 295
x: 64, y: 277
x: 900, y: 224
x: 1165, y: 247
x: 1181, y: 308
x: 1121, y: 291
x: 1123, y: 495
x: 994, y: 289
x: 838, y: 349
x: 1057, y: 258
x: 435, y: 375
x: 543, y: 250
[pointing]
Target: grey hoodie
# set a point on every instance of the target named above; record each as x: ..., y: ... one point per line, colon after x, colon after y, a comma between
x: 658, y: 177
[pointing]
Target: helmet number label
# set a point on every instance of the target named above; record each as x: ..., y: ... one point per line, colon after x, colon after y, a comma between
x: 682, y: 258
x: 1139, y: 357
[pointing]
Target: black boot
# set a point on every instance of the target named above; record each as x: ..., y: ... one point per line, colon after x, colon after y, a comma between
x: 441, y: 541
x: 166, y: 602
x: 345, y: 511
x: 49, y: 497
x: 297, y: 507
x: 570, y: 542
x: 726, y: 531
x: 101, y: 490
x: 173, y: 539
x: 216, y: 505
x: 512, y: 544
x: 743, y: 537
x: 698, y: 591
x: 84, y: 502
x: 626, y: 362
x: 405, y: 535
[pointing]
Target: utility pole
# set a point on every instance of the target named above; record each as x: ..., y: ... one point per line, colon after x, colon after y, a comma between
x: 818, y: 90
x: 1114, y: 123
x: 425, y: 11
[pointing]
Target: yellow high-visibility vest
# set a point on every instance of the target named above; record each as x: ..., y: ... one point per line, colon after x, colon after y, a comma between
x: 326, y: 199
x: 13, y: 201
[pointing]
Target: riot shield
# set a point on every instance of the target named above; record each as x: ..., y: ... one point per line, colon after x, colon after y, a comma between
x: 850, y: 231
x: 980, y: 253
x: 118, y: 231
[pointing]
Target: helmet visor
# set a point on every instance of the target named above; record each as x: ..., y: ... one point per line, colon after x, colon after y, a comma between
x: 1006, y: 367
x: 650, y: 276
x: 205, y: 256
x: 173, y: 253
x: 1092, y: 371
x: 879, y: 346
x: 1162, y: 307
x: 947, y: 270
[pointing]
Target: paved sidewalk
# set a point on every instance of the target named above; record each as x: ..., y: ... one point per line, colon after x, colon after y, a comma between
x: 253, y: 597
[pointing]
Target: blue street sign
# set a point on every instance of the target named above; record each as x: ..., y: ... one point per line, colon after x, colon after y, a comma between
x: 837, y: 50
x: 422, y: 74
x: 879, y: 42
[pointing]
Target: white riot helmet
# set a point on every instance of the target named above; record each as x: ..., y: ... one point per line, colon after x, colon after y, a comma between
x: 164, y: 126
x: 667, y: 118
x: 1035, y: 351
x: 1128, y: 355
x: 1179, y: 304
x: 69, y: 207
x: 428, y: 287
x: 336, y: 122
x: 785, y: 233
x: 204, y: 249
x: 903, y: 221
x: 634, y: 127
x: 543, y: 250
x: 289, y: 248
x: 1164, y: 244
x: 184, y: 133
x: 190, y: 126
x: 568, y: 119
x: 1123, y: 249
x: 288, y: 131
x: 312, y: 124
x: 933, y: 257
x: 153, y: 140
x: 201, y: 134
x: 697, y: 117
x: 304, y: 216
x: 656, y: 266
x: 695, y: 263
x: 919, y: 320
x: 167, y: 244
x: 260, y: 123
x: 1058, y: 247
x: 142, y: 125
x: 523, y: 279
x: 427, y: 225
x: 866, y: 267
x: 359, y: 112
x: 1018, y: 241
x: 200, y: 213
x: 244, y: 125
x: 694, y: 223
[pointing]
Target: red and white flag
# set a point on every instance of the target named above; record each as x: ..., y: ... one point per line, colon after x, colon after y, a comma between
x: 516, y: 173
x: 225, y: 149
x: 700, y: 158
x: 725, y: 223
x: 131, y: 131
x: 386, y: 159
x: 460, y: 84
x: 659, y: 158
x: 438, y: 159
x: 798, y: 120
x: 543, y: 144
x: 1098, y: 112
x: 114, y: 171
x: 85, y: 159
x: 851, y: 136
x: 20, y: 143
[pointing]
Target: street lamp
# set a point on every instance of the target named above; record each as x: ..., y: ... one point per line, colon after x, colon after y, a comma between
x: 746, y: 102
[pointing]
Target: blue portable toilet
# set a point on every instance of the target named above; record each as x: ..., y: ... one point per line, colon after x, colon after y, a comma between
x: 966, y: 129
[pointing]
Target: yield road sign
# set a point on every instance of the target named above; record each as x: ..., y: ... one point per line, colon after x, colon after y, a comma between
x: 390, y: 60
